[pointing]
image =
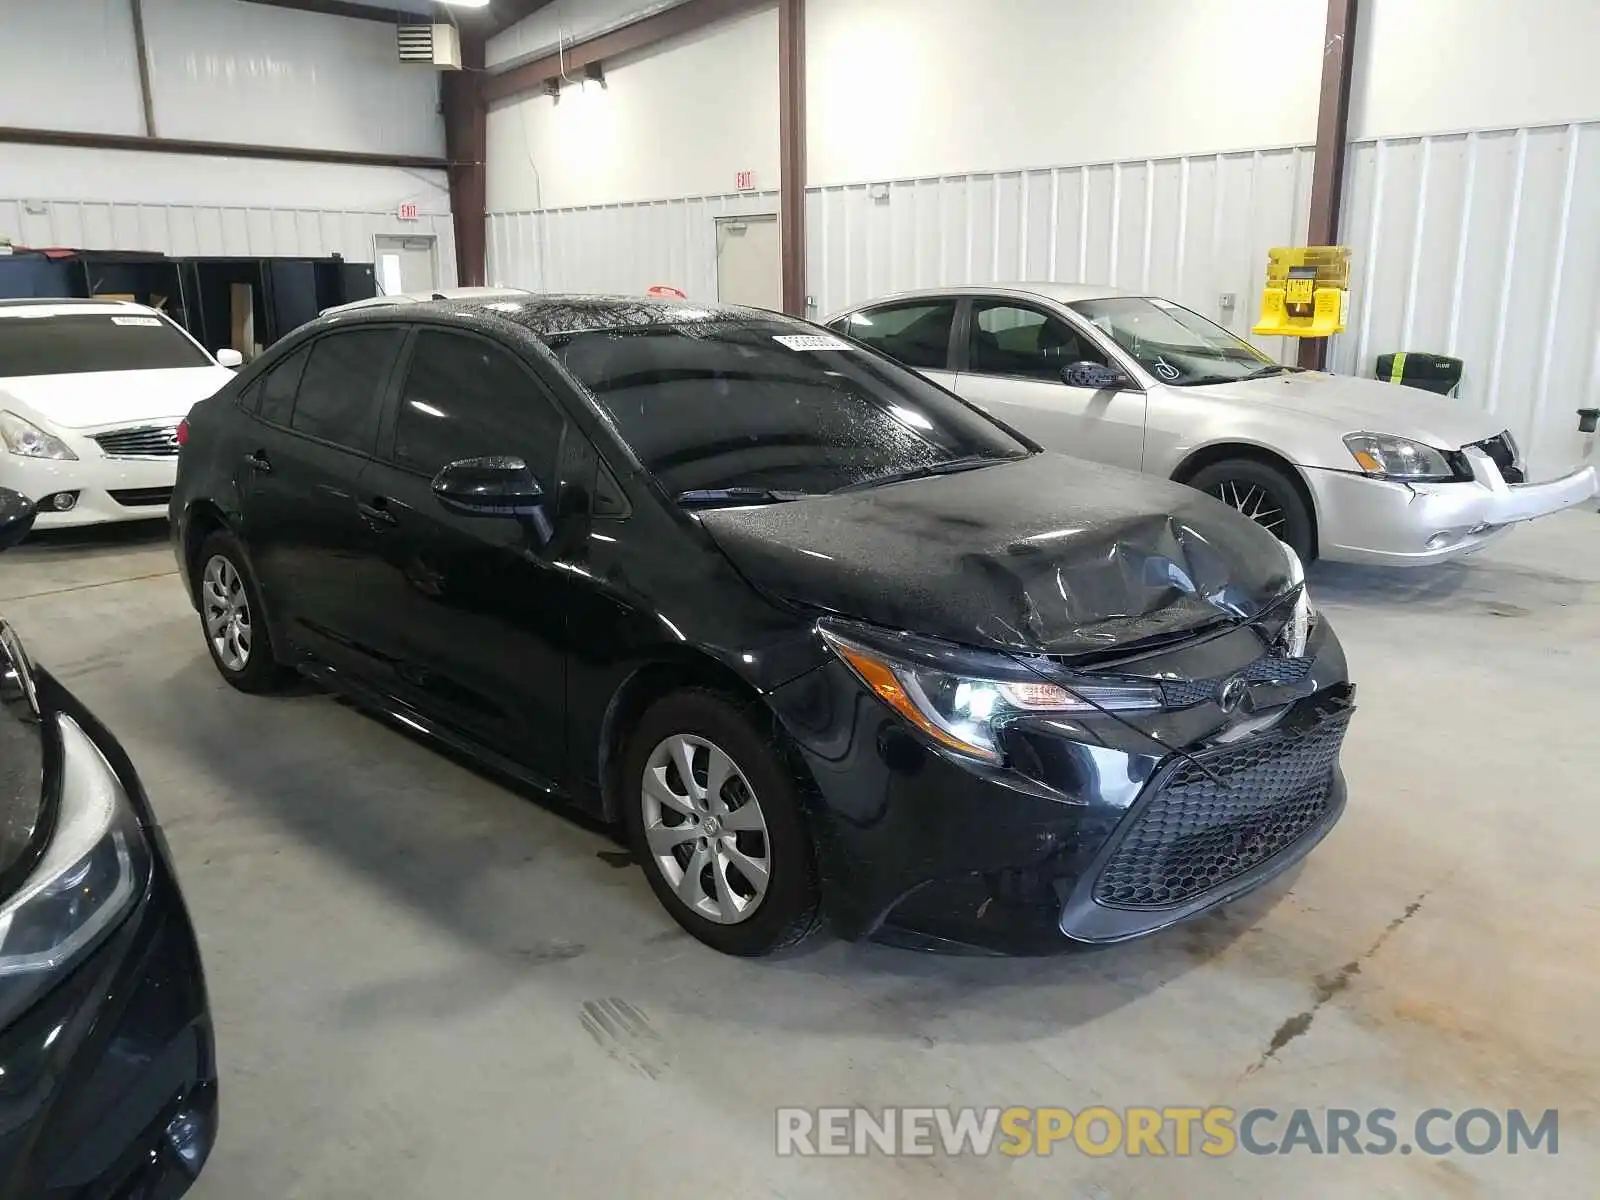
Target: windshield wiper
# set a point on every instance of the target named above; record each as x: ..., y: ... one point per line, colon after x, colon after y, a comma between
x: 1264, y: 372
x: 704, y: 497
x: 970, y: 462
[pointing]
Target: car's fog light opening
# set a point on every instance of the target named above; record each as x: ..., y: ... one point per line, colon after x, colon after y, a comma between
x: 189, y: 1136
x: 60, y: 501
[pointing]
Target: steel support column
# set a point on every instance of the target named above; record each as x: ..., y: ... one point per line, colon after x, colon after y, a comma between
x: 792, y: 151
x: 1333, y: 135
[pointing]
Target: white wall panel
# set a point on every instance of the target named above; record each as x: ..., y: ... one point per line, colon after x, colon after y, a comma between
x: 1443, y: 66
x: 681, y: 120
x: 56, y: 172
x: 68, y: 65
x: 622, y: 248
x: 1486, y: 246
x: 249, y: 73
x: 184, y: 230
x: 566, y: 21
x: 1191, y: 228
x: 906, y: 88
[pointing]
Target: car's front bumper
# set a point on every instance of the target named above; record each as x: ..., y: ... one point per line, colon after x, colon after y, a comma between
x: 113, y: 1071
x: 1367, y: 520
x: 922, y: 848
x: 106, y: 489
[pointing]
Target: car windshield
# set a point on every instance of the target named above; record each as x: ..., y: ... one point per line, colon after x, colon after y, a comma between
x: 770, y: 407
x: 51, y: 343
x: 1175, y: 345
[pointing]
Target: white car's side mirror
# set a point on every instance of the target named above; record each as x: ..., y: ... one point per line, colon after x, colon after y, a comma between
x: 229, y: 358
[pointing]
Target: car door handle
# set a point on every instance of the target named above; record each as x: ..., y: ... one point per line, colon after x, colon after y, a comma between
x: 377, y: 514
x: 258, y: 461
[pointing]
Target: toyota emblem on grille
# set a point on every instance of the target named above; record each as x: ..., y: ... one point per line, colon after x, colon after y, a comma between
x: 1232, y: 694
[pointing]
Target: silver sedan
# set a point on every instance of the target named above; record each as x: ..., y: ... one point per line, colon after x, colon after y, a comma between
x: 1336, y: 466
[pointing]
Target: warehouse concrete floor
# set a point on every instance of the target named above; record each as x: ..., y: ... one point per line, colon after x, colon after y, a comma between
x: 428, y: 985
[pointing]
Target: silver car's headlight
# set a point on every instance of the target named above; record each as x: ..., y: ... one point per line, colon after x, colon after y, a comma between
x: 22, y: 437
x: 1392, y: 457
x: 1297, y: 633
x: 961, y: 698
x: 91, y: 875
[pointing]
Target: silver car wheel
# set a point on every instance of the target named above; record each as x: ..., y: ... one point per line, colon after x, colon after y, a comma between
x: 1253, y: 501
x: 226, y: 610
x: 705, y: 829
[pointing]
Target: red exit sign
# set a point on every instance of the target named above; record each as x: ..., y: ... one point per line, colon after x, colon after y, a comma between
x: 744, y: 181
x: 408, y: 212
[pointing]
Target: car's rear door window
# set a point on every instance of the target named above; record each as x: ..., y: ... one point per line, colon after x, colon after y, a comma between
x: 915, y: 334
x: 465, y: 397
x: 339, y: 392
x: 275, y: 390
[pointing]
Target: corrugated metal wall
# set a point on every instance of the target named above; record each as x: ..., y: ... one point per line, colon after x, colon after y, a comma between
x: 1484, y: 245
x: 617, y: 247
x: 1193, y: 228
x: 216, y: 230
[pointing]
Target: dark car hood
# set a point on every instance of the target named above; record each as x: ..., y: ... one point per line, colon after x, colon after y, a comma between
x: 1046, y: 554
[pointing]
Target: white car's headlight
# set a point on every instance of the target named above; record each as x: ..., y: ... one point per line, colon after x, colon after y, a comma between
x: 24, y: 438
x: 1297, y: 633
x: 1391, y: 457
x: 961, y: 698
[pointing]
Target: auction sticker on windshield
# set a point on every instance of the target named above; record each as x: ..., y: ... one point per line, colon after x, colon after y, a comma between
x: 156, y: 321
x: 811, y: 341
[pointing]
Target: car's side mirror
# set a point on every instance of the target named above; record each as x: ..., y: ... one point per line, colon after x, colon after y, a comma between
x: 228, y: 357
x: 1093, y: 375
x: 16, y: 517
x: 489, y: 487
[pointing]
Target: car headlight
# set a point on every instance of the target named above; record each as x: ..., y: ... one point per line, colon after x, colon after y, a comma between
x: 91, y: 875
x: 24, y: 438
x: 962, y: 698
x: 1398, y: 458
x: 1297, y: 633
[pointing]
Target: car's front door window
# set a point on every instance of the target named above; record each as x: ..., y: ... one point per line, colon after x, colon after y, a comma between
x: 465, y: 398
x: 917, y: 335
x: 1019, y: 342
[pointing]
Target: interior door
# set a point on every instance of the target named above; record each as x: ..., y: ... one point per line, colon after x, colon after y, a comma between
x: 917, y: 333
x: 406, y: 264
x: 750, y: 261
x: 471, y: 610
x: 313, y: 435
x: 1015, y: 355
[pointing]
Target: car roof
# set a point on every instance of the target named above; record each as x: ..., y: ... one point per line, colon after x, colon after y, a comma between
x: 1059, y: 293
x: 67, y: 306
x: 547, y: 316
x: 457, y: 293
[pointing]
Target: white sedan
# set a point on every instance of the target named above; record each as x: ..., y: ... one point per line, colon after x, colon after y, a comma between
x: 91, y: 394
x: 1337, y: 467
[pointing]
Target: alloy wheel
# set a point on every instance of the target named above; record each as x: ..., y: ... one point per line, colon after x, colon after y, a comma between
x: 226, y: 610
x: 1253, y: 501
x: 705, y: 829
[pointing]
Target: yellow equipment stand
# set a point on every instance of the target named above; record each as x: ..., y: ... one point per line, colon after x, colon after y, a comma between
x: 1307, y: 292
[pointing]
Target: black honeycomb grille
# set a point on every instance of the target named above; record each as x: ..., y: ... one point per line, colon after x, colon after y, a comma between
x: 1197, y: 832
x: 1272, y: 669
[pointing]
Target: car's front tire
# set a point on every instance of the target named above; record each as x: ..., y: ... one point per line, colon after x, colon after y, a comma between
x: 232, y: 618
x: 1266, y: 495
x: 714, y: 816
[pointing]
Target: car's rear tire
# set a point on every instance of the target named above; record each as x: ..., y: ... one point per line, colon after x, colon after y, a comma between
x: 1266, y: 495
x: 232, y: 619
x: 747, y: 887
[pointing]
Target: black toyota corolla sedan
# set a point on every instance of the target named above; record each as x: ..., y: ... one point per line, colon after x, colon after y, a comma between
x: 825, y: 640
x: 108, y: 1084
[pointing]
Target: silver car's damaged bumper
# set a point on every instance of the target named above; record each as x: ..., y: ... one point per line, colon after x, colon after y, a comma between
x: 1361, y: 519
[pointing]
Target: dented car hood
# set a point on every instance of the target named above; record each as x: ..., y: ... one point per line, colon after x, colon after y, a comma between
x: 1045, y: 554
